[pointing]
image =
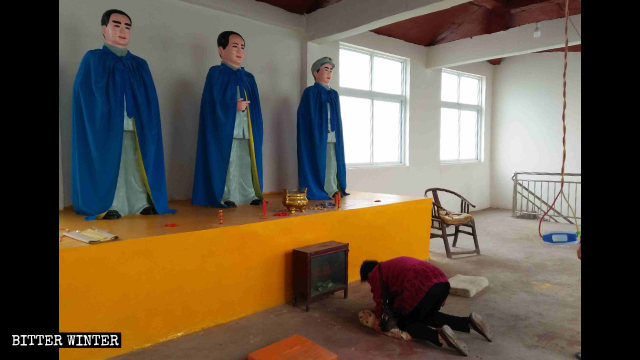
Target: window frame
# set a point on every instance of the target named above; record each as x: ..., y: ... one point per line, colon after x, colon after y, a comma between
x: 402, y: 99
x: 480, y: 108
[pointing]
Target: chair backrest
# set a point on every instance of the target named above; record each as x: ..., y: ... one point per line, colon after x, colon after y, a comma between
x: 433, y: 193
x: 464, y: 203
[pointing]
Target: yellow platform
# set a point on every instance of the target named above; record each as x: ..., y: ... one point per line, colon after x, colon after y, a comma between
x: 161, y: 282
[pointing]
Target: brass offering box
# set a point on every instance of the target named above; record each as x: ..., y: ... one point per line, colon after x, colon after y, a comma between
x: 295, y: 200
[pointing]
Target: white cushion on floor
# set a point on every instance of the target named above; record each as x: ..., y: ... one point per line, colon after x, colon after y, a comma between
x: 467, y: 286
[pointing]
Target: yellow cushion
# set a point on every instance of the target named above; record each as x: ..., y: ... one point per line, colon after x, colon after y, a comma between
x: 453, y: 218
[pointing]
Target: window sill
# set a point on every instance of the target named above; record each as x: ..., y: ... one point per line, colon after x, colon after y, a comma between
x: 374, y: 166
x: 460, y: 162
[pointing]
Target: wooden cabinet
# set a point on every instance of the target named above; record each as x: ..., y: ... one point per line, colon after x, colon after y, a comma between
x: 320, y: 269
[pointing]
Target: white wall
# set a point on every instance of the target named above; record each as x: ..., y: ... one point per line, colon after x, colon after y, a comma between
x: 527, y: 119
x: 178, y: 40
x: 424, y: 170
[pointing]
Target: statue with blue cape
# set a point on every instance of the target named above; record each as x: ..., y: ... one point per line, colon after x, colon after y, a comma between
x: 117, y: 158
x: 229, y: 156
x: 321, y: 165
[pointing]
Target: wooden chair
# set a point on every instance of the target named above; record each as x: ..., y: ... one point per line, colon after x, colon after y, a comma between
x: 442, y: 218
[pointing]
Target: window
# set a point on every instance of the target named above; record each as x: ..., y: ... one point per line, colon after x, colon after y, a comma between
x: 372, y: 102
x: 460, y: 116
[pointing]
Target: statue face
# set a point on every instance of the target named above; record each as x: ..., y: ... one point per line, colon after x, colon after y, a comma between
x: 234, y: 53
x: 323, y: 75
x: 117, y: 31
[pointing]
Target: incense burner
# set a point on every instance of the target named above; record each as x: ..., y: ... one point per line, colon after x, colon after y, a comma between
x: 295, y: 200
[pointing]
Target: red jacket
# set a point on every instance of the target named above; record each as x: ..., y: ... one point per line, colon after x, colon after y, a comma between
x: 407, y: 280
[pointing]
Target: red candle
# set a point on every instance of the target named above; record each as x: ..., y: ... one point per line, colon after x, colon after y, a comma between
x: 264, y: 208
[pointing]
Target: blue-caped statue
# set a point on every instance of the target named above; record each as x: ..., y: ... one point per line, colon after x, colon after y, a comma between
x: 321, y: 165
x: 117, y: 158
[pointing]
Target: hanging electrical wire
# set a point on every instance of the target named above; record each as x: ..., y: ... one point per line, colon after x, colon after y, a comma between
x: 564, y: 128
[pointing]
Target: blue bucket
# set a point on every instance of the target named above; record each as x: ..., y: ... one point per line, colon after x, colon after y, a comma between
x: 560, y: 237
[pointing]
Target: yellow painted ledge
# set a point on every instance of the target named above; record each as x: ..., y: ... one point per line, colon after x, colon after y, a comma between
x: 157, y: 288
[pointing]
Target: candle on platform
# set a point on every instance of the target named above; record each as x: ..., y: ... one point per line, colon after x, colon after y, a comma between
x: 264, y: 208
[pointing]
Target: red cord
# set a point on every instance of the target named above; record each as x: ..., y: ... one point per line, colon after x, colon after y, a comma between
x: 564, y: 106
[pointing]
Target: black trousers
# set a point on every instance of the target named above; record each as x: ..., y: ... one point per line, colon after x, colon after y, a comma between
x: 425, y: 318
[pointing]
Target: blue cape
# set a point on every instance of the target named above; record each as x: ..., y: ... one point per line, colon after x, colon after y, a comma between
x: 101, y: 84
x: 312, y: 140
x: 215, y: 133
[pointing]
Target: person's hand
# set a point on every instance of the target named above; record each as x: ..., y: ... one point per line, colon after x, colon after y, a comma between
x: 579, y: 250
x: 242, y: 105
x: 399, y: 334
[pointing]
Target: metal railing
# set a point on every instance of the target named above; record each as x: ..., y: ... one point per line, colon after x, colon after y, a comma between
x: 533, y: 194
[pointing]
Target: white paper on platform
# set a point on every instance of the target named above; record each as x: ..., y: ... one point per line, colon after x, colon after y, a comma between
x: 91, y: 236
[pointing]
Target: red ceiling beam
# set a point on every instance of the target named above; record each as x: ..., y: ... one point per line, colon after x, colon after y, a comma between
x: 466, y: 24
x: 541, y: 11
x: 490, y: 4
x: 499, y: 19
x: 423, y: 29
x: 319, y: 4
x: 475, y: 18
x: 516, y: 4
x: 300, y: 6
x: 572, y: 48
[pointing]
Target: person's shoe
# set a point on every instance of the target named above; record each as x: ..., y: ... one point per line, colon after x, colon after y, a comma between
x: 149, y: 210
x: 230, y: 204
x: 450, y: 339
x: 256, y: 202
x: 479, y: 325
x: 111, y: 215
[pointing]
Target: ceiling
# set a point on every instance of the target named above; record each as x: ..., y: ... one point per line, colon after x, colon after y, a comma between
x: 473, y: 18
x: 300, y: 6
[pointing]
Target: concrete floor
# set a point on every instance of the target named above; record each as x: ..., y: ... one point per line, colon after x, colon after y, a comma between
x: 532, y: 304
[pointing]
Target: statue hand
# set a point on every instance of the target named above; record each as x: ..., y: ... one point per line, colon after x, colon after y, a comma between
x: 242, y: 105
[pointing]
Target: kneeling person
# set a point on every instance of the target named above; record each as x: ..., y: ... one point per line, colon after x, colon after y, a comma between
x: 419, y: 289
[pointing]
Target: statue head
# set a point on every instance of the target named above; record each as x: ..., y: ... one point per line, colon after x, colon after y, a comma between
x: 116, y: 28
x: 231, y: 48
x: 322, y: 70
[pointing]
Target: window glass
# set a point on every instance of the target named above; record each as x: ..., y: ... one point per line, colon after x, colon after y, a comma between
x: 468, y: 134
x: 460, y: 116
x: 354, y: 69
x: 469, y: 89
x: 387, y: 75
x: 449, y: 87
x: 386, y: 134
x: 356, y: 127
x: 448, y: 134
x: 372, y: 101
